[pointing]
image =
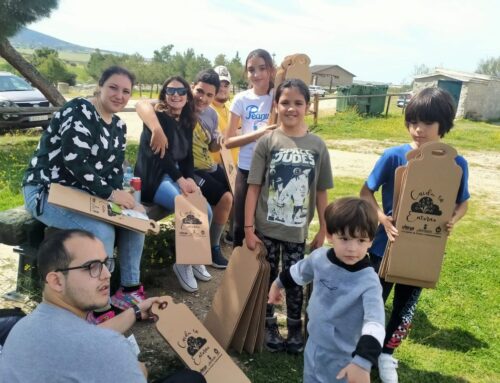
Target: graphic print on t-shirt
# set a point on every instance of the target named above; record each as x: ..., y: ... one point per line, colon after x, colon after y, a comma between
x: 258, y: 118
x: 291, y: 173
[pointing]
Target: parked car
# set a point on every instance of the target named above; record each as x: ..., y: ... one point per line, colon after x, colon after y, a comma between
x: 16, y: 92
x: 404, y: 99
x: 316, y: 89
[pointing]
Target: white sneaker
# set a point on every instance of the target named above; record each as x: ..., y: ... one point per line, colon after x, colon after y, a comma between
x: 186, y: 278
x: 200, y: 272
x: 387, y: 368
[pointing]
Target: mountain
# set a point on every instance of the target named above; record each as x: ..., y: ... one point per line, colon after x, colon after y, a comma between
x: 27, y: 38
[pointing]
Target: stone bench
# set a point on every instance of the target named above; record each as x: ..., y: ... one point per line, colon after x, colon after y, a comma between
x: 19, y: 229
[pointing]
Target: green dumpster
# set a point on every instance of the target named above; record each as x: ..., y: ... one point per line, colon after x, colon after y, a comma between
x: 364, y: 105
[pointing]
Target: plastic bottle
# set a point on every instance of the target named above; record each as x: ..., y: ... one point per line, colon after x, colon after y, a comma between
x: 127, y: 176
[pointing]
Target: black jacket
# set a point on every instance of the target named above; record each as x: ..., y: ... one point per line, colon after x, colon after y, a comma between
x: 151, y: 168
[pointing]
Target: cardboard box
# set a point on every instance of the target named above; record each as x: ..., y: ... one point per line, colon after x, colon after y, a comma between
x: 192, y: 236
x: 425, y: 196
x: 229, y: 167
x: 237, y: 312
x: 100, y: 209
x: 194, y: 344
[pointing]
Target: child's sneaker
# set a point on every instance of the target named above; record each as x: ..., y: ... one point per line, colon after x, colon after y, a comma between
x: 200, y: 272
x: 273, y: 340
x: 218, y: 260
x: 228, y: 239
x: 186, y: 277
x: 295, y: 339
x: 97, y: 317
x: 124, y: 299
x: 387, y: 368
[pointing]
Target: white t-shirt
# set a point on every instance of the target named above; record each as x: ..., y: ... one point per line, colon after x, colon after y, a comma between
x: 254, y: 111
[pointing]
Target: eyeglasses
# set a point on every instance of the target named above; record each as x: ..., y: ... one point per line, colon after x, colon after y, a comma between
x: 94, y: 267
x: 180, y: 91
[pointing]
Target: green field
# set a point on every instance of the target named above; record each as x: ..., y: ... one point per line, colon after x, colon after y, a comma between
x: 69, y: 56
x: 455, y: 337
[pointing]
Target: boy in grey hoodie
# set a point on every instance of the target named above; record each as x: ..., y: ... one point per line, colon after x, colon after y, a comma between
x: 346, y: 311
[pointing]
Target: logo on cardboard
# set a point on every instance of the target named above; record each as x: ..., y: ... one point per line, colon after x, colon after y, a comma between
x: 201, y: 353
x: 424, y: 212
x: 191, y: 225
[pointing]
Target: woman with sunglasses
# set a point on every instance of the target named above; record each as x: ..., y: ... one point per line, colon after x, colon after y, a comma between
x: 84, y: 147
x: 164, y: 178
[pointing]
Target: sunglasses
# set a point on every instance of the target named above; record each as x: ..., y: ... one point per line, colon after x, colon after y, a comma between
x: 180, y: 91
x: 94, y: 267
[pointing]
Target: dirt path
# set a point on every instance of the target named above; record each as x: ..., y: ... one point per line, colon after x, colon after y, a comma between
x: 355, y: 158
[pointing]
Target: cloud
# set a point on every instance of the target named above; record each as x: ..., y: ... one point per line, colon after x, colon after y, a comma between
x: 380, y: 40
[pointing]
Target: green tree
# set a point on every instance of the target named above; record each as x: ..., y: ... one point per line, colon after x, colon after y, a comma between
x: 47, y: 61
x: 220, y: 59
x: 14, y: 14
x: 237, y: 71
x: 41, y: 54
x: 489, y: 66
x: 164, y: 55
x: 54, y: 70
x: 17, y: 13
x: 98, y: 62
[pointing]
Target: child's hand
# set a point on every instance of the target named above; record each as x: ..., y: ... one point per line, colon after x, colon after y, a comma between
x: 354, y: 374
x: 275, y: 295
x: 251, y: 239
x: 449, y: 226
x: 268, y: 128
x: 318, y: 240
x: 389, y: 227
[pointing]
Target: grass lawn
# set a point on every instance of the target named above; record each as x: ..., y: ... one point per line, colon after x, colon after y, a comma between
x: 455, y: 336
x: 465, y: 135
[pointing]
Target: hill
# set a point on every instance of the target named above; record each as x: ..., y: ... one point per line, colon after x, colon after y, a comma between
x: 29, y: 39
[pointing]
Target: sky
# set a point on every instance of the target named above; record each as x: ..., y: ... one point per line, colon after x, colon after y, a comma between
x: 377, y: 40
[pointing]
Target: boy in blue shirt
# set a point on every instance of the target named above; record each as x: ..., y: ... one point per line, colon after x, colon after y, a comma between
x: 346, y: 311
x: 428, y: 117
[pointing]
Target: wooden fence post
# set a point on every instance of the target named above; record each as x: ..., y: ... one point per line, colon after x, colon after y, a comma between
x: 387, y: 108
x: 316, y: 109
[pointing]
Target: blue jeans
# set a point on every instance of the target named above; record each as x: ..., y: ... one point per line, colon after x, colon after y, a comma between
x: 165, y: 196
x: 130, y: 243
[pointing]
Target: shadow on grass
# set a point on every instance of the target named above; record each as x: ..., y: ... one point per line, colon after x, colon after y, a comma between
x: 424, y: 332
x: 407, y: 374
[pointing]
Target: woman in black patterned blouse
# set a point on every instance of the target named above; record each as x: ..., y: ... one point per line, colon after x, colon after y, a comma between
x: 84, y: 147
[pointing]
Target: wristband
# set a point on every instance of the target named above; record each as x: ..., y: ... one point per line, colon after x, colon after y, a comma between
x: 137, y: 312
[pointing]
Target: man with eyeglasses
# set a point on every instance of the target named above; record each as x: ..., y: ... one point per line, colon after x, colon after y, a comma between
x: 55, y: 343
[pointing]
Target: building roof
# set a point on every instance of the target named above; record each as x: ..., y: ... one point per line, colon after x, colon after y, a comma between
x: 317, y: 69
x: 460, y: 76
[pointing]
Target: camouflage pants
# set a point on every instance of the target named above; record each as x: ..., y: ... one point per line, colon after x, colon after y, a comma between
x: 289, y: 253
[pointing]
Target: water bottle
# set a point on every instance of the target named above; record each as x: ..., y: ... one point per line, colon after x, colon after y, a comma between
x: 127, y: 176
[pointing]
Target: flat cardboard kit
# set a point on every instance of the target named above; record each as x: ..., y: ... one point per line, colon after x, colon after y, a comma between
x: 229, y: 166
x: 192, y: 239
x: 293, y: 66
x: 101, y: 209
x: 194, y: 344
x: 425, y: 195
x: 237, y: 313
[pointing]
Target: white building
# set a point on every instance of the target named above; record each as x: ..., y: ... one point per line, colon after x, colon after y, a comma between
x: 477, y: 95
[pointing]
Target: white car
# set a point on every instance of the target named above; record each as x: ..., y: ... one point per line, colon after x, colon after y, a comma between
x: 316, y: 89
